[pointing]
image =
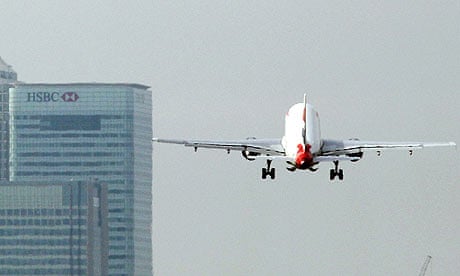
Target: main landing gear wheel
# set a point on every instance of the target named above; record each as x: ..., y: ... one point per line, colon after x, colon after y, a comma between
x: 336, y: 171
x: 268, y: 171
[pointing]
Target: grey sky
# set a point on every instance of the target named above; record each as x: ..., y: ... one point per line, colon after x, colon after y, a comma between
x: 377, y: 70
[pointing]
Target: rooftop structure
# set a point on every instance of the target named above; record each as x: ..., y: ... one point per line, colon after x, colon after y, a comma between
x: 7, y: 74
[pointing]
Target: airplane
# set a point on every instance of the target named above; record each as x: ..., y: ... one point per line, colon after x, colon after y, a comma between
x: 302, y: 146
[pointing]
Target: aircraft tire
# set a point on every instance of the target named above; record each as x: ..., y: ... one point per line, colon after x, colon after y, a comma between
x: 340, y: 174
x: 272, y: 173
x: 332, y: 174
x: 264, y: 173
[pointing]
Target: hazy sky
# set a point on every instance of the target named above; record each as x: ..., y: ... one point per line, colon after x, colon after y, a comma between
x: 377, y: 70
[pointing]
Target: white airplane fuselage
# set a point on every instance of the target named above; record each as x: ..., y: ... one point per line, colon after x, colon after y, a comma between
x: 302, y: 135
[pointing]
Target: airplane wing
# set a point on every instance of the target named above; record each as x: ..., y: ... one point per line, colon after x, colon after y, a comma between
x: 341, y: 147
x: 270, y: 147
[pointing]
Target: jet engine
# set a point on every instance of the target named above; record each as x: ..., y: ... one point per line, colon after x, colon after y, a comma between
x: 249, y: 155
x: 359, y: 154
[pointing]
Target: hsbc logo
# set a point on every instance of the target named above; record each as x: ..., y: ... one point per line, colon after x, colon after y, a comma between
x: 44, y: 97
x: 70, y: 97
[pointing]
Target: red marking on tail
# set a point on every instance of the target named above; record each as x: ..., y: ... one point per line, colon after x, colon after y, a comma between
x: 304, y: 158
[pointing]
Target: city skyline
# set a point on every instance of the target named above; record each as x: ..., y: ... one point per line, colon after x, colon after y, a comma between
x: 374, y: 70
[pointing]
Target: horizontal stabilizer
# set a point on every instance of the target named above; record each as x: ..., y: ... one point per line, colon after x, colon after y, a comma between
x: 333, y: 158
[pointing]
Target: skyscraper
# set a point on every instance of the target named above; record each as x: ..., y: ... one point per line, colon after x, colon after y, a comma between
x: 53, y: 228
x: 76, y: 133
x: 7, y: 78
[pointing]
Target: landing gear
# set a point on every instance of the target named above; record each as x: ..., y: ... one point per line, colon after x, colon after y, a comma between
x: 336, y: 171
x: 268, y: 170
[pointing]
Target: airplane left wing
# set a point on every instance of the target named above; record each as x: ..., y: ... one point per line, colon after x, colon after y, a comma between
x: 340, y: 147
x: 269, y: 147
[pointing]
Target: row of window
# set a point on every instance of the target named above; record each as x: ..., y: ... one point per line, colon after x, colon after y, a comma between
x: 71, y: 154
x: 75, y: 135
x: 70, y: 122
x: 40, y: 212
x: 41, y: 251
x: 54, y: 213
x: 42, y: 232
x: 105, y: 117
x: 117, y: 238
x: 44, y: 222
x: 74, y: 126
x: 72, y: 164
x: 117, y: 247
x: 117, y: 257
x: 39, y: 242
x: 119, y: 192
x: 71, y: 173
x: 43, y: 271
x: 37, y: 261
x: 74, y: 145
x: 119, y: 220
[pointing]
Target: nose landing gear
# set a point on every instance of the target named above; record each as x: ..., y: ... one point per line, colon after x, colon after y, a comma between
x: 336, y: 171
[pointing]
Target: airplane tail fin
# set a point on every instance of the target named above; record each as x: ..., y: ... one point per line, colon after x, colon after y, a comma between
x: 304, y: 118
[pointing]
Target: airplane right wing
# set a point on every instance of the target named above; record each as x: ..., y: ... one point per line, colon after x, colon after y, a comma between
x: 268, y: 147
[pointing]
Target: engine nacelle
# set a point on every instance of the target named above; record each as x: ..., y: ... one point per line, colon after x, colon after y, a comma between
x: 356, y: 154
x: 249, y: 155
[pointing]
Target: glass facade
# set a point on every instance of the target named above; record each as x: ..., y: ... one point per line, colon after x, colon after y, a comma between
x: 87, y: 132
x: 44, y: 228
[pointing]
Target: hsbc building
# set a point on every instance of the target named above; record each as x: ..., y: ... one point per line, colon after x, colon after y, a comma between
x: 80, y: 132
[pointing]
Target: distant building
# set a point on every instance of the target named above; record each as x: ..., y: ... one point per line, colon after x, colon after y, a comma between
x: 7, y: 78
x: 53, y: 229
x: 79, y: 132
x: 7, y: 74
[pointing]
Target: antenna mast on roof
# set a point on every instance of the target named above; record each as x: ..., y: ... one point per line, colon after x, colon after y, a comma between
x: 425, y: 265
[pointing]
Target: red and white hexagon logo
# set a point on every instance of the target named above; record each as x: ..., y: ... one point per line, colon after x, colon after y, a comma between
x: 70, y: 97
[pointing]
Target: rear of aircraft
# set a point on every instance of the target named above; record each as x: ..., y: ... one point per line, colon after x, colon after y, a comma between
x: 301, y: 127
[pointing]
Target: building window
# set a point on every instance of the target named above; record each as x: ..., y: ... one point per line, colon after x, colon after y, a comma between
x: 70, y: 122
